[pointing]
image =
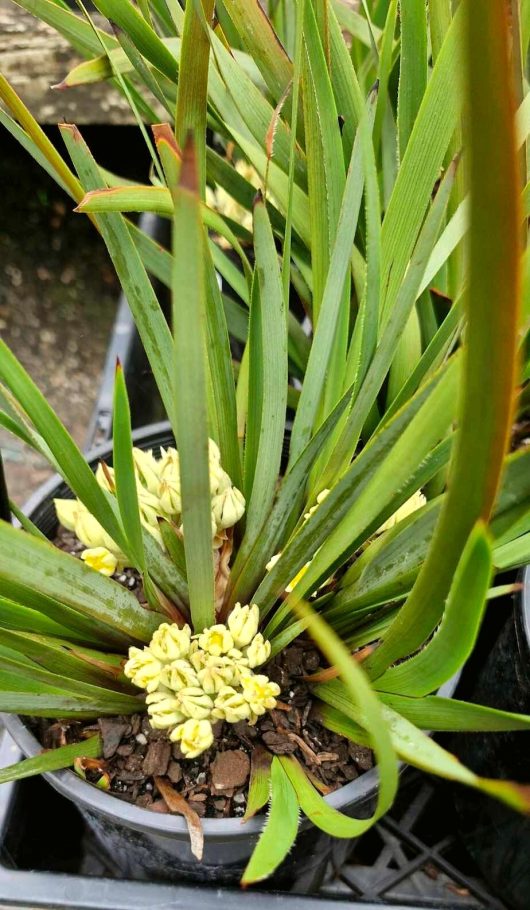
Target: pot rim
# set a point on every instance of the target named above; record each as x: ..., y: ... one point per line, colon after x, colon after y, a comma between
x: 80, y: 791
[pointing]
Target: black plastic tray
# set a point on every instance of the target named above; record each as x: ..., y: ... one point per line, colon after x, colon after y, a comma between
x: 411, y: 859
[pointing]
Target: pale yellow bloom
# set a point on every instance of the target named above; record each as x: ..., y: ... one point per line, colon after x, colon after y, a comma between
x: 147, y: 469
x: 164, y: 710
x: 243, y: 623
x: 103, y: 474
x: 143, y: 669
x: 178, y: 675
x: 100, y: 559
x: 227, y: 508
x: 194, y: 736
x: 195, y: 703
x: 170, y: 643
x: 258, y: 651
x: 260, y: 693
x: 216, y: 640
x: 169, y: 486
x: 231, y: 705
x: 411, y: 505
x: 218, y: 672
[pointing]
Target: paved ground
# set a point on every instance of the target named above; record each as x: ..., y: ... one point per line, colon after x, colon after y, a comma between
x: 58, y: 295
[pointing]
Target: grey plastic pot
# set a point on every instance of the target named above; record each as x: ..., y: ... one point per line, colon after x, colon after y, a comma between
x: 147, y: 845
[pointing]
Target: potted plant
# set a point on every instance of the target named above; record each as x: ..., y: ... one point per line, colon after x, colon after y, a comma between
x: 240, y: 589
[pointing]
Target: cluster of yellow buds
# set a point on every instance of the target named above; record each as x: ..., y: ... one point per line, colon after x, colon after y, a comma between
x: 158, y: 488
x: 194, y: 680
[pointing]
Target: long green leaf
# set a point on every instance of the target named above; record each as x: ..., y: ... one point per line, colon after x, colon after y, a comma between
x: 125, y: 474
x: 73, y: 465
x: 149, y: 318
x: 452, y: 643
x: 271, y: 352
x: 53, y: 760
x: 491, y: 338
x: 280, y: 830
x: 69, y: 580
x: 190, y: 381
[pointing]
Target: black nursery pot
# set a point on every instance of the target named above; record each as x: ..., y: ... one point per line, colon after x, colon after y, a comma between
x: 497, y: 837
x: 147, y: 845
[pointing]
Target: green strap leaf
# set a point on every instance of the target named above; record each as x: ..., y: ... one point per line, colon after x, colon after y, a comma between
x: 268, y: 360
x: 260, y: 781
x: 313, y: 804
x: 281, y: 828
x: 192, y: 96
x: 125, y: 474
x: 491, y: 337
x: 453, y: 642
x: 433, y: 712
x: 53, y: 760
x: 59, y: 575
x: 420, y: 751
x: 72, y: 463
x: 148, y: 315
x: 190, y: 414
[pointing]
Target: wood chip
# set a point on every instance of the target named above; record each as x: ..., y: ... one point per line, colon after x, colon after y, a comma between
x: 229, y: 770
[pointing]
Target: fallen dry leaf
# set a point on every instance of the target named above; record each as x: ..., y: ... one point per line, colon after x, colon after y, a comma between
x: 176, y: 803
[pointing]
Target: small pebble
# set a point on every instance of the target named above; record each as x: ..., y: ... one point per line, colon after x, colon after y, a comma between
x: 201, y: 777
x: 131, y: 583
x: 148, y: 786
x: 122, y: 579
x: 141, y: 738
x: 239, y: 798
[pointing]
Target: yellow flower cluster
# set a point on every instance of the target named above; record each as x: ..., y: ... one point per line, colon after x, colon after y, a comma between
x: 194, y: 680
x: 158, y: 488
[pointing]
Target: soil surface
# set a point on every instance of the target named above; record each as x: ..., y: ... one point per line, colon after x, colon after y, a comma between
x: 139, y: 764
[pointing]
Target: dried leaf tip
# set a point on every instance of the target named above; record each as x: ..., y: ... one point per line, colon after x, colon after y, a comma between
x: 162, y: 132
x: 189, y: 177
x: 258, y: 199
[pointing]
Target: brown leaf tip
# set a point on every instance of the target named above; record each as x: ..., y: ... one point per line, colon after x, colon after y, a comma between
x: 258, y: 199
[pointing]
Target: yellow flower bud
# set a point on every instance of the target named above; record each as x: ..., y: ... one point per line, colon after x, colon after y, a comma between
x: 259, y: 692
x: 147, y: 469
x: 216, y: 640
x: 102, y: 476
x: 170, y: 643
x: 197, y: 657
x: 178, y: 675
x: 243, y: 623
x: 195, y: 703
x: 169, y: 487
x: 320, y: 498
x: 218, y: 673
x: 100, y: 559
x: 258, y: 651
x: 231, y: 706
x: 164, y: 710
x: 411, y: 505
x: 228, y: 507
x: 194, y: 736
x: 143, y: 669
x: 90, y: 532
x: 67, y: 511
x: 292, y: 584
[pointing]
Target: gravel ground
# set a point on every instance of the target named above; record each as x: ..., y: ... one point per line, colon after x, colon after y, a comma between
x: 58, y: 295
